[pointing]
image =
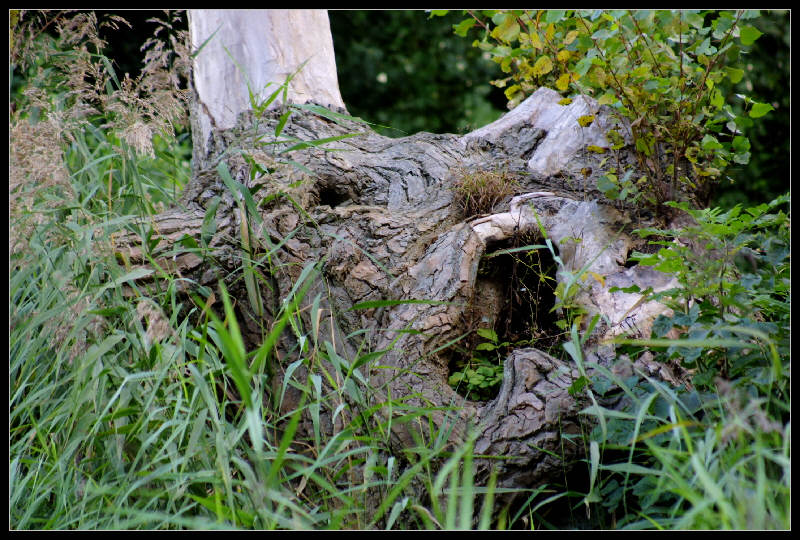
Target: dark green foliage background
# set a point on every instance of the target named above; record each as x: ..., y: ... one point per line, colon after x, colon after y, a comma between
x: 437, y: 82
x: 768, y: 69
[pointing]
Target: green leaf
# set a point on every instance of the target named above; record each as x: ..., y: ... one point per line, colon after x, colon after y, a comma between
x: 734, y: 74
x: 695, y: 19
x: 577, y: 386
x: 583, y: 65
x: 487, y: 333
x: 209, y: 220
x: 574, y: 351
x: 498, y: 17
x: 223, y: 512
x: 716, y: 99
x: 461, y: 28
x: 282, y: 122
x: 632, y: 468
x: 670, y: 265
x: 643, y: 147
x: 330, y: 115
x: 133, y: 275
x: 705, y: 48
x: 607, y: 182
x: 760, y: 109
x: 202, y: 45
x: 232, y: 346
x: 318, y: 142
x: 749, y: 34
x: 383, y: 303
x: 662, y: 325
x: 710, y: 142
x: 741, y: 144
x: 554, y: 15
x: 742, y: 158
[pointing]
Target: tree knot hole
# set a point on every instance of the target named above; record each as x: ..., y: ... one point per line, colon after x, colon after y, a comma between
x: 512, y: 307
x: 333, y: 194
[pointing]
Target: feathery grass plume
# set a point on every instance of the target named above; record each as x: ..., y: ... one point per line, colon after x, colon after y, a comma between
x: 139, y: 136
x: 62, y: 83
x: 745, y: 415
x: 35, y: 164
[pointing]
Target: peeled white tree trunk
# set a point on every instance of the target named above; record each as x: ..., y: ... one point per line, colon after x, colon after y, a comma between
x: 247, y: 54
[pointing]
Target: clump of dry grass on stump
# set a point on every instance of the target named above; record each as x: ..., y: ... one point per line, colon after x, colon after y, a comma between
x: 478, y: 191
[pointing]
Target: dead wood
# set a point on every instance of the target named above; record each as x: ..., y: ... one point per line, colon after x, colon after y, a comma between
x: 377, y: 217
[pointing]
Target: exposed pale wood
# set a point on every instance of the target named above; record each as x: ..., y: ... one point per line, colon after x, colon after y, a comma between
x: 252, y: 51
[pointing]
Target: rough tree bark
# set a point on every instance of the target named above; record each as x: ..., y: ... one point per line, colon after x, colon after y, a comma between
x: 379, y: 218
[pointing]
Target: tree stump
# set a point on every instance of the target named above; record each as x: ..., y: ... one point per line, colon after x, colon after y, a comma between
x: 377, y: 220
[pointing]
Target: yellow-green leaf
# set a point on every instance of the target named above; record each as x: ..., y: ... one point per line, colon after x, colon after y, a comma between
x: 550, y: 32
x: 461, y: 28
x: 570, y: 37
x: 563, y: 55
x: 536, y: 41
x: 562, y: 83
x: 512, y: 90
x: 607, y: 99
x: 600, y: 279
x: 507, y: 31
x: 596, y: 149
x: 760, y: 109
x: 748, y: 35
x: 543, y: 66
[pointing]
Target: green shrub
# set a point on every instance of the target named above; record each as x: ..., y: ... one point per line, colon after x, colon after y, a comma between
x: 662, y: 71
x: 716, y: 453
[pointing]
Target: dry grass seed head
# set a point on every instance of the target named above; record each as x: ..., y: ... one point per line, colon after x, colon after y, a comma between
x: 35, y: 164
x: 156, y: 101
x: 747, y: 414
